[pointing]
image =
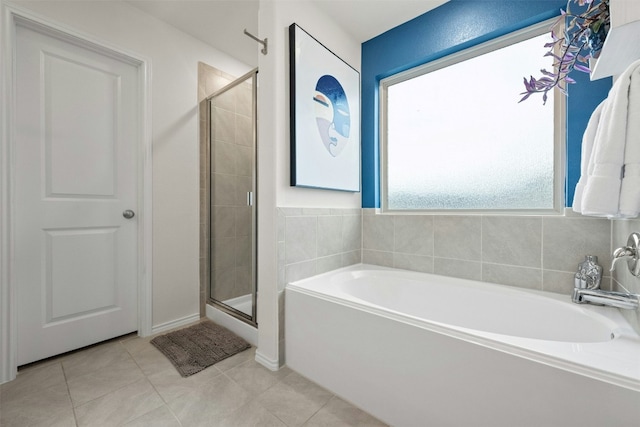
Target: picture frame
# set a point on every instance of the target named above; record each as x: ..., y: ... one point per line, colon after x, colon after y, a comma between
x: 325, y: 116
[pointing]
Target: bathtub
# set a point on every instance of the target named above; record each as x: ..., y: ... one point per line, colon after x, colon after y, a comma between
x: 417, y: 349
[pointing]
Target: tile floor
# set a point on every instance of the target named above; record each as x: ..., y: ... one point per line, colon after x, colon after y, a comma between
x: 127, y: 382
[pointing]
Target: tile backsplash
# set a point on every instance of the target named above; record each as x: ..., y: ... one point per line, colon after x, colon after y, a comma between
x: 316, y: 240
x: 534, y: 252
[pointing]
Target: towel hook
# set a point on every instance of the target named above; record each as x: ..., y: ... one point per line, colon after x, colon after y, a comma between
x: 262, y: 42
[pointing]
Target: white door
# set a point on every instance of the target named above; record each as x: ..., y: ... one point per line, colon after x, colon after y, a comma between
x: 75, y: 153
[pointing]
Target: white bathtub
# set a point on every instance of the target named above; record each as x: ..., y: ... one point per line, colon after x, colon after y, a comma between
x: 417, y: 349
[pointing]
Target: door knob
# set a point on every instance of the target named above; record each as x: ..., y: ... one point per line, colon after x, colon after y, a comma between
x: 128, y: 214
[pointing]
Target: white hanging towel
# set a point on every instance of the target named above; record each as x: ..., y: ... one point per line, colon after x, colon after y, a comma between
x: 587, y: 148
x: 611, y: 187
x: 630, y: 190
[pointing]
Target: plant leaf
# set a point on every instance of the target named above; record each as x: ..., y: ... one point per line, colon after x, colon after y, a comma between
x: 553, y: 55
x: 573, y: 34
x: 525, y: 97
x: 582, y: 68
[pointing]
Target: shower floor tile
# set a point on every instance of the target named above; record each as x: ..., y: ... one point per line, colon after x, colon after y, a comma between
x: 128, y: 382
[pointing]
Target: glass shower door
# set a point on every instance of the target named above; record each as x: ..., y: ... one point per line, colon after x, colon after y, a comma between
x: 232, y: 114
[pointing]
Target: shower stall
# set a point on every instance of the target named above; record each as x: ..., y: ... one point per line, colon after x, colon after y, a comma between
x: 231, y: 116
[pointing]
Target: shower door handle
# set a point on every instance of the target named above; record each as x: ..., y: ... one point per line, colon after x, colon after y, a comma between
x: 249, y: 198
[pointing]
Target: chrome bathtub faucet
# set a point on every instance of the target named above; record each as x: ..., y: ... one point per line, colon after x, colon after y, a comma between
x: 587, y: 279
x: 601, y: 297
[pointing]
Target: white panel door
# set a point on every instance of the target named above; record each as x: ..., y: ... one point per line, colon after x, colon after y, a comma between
x: 77, y: 131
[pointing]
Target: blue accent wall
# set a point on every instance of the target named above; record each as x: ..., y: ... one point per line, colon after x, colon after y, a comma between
x: 452, y: 27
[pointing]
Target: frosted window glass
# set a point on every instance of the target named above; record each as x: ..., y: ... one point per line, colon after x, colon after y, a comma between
x: 457, y: 138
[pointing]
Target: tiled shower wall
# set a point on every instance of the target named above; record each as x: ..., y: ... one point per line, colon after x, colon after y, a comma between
x: 232, y: 166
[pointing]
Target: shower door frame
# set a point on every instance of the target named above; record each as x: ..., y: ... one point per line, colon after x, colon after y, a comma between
x: 250, y: 319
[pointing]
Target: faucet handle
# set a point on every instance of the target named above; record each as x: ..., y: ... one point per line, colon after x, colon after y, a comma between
x: 630, y: 253
x: 621, y: 253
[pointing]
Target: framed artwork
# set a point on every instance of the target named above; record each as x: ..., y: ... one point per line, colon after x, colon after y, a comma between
x: 325, y: 116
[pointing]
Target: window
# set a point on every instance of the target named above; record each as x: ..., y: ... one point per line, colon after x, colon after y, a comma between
x: 454, y: 136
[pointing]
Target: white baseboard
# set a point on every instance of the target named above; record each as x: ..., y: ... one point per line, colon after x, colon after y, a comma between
x: 175, y: 323
x: 270, y: 364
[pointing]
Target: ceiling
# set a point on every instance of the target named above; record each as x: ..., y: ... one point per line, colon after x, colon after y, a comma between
x: 220, y: 23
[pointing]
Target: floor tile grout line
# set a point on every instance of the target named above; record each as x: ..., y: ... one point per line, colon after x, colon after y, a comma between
x: 151, y: 383
x: 254, y: 398
x: 112, y: 391
x: 165, y: 403
x: 66, y: 383
x: 220, y: 372
x: 173, y: 413
x: 319, y: 409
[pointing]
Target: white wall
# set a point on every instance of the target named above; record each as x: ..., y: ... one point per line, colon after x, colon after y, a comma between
x: 174, y: 60
x: 273, y: 153
x: 320, y: 26
x: 174, y: 56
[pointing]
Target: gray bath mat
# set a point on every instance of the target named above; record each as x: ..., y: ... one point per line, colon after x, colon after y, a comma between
x: 197, y: 347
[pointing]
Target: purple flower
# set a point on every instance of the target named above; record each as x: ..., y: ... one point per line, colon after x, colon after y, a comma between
x: 581, y: 40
